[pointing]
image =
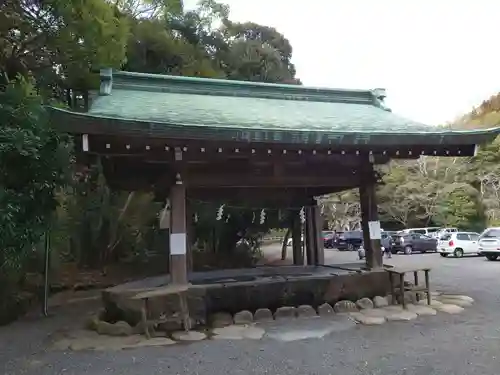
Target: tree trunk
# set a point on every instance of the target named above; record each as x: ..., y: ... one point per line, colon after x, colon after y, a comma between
x: 283, y: 245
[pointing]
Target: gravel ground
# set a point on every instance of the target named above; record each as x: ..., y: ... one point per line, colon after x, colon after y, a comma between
x: 468, y: 343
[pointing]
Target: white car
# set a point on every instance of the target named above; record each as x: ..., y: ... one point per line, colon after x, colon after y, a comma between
x: 458, y: 244
x: 489, y: 243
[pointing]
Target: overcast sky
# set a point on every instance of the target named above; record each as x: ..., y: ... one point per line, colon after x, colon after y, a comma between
x: 436, y: 58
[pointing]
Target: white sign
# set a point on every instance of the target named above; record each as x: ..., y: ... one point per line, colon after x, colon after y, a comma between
x: 178, y: 243
x: 374, y: 230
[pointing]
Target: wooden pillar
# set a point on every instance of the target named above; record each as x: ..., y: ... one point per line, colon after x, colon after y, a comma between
x: 319, y: 257
x: 189, y: 234
x: 298, y: 254
x: 310, y: 234
x: 178, y: 237
x: 370, y: 223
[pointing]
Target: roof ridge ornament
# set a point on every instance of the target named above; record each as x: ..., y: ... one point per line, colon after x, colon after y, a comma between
x: 379, y: 95
x: 106, y: 75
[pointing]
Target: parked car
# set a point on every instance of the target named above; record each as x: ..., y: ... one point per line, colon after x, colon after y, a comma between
x: 444, y: 231
x: 328, y: 239
x: 489, y: 243
x: 459, y: 244
x: 411, y: 242
x: 428, y: 231
x: 350, y: 240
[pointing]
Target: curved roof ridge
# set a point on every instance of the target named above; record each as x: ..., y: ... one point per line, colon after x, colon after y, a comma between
x: 224, y: 87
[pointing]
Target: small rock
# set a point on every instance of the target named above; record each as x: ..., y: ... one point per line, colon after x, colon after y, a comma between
x: 364, y: 303
x: 188, y: 336
x: 402, y: 316
x: 450, y: 309
x: 243, y: 317
x: 421, y: 309
x: 285, y: 312
x: 221, y: 319
x: 380, y: 301
x: 325, y: 309
x: 120, y: 328
x: 263, y: 315
x: 305, y: 311
x: 345, y: 306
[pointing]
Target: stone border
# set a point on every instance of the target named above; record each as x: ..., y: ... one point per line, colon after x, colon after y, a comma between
x: 244, y: 324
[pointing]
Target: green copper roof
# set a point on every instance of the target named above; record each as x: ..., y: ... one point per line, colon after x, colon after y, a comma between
x: 198, y: 108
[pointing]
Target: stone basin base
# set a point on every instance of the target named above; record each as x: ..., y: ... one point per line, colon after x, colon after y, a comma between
x: 250, y: 289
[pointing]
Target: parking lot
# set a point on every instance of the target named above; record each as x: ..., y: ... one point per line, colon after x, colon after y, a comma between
x: 464, y: 275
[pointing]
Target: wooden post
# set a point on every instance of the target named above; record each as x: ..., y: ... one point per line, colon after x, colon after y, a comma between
x: 189, y: 233
x: 178, y: 237
x: 319, y: 257
x: 298, y: 255
x: 310, y: 235
x: 369, y: 215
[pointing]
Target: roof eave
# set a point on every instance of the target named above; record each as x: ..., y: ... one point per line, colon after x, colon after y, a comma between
x: 85, y: 123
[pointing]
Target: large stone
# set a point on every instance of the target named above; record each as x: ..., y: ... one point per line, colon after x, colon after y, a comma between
x: 433, y: 304
x: 285, y: 312
x: 305, y: 311
x: 243, y: 317
x: 380, y: 301
x: 188, y: 336
x: 238, y: 333
x: 421, y: 309
x: 401, y: 316
x: 154, y: 341
x: 393, y: 308
x: 455, y: 297
x: 455, y: 301
x: 174, y: 325
x: 377, y: 312
x: 118, y: 329
x: 450, y: 309
x: 364, y: 303
x: 263, y: 315
x: 92, y: 323
x: 369, y: 320
x: 325, y: 310
x: 221, y: 319
x: 345, y: 307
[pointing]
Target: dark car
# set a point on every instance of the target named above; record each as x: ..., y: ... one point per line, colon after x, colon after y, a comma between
x: 328, y: 239
x: 351, y: 240
x: 410, y: 242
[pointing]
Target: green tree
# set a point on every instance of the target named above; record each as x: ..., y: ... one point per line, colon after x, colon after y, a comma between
x: 34, y: 162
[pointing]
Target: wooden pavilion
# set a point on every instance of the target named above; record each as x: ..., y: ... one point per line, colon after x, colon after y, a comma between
x: 211, y: 139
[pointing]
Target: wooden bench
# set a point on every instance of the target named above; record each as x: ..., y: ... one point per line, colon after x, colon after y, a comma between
x: 180, y: 290
x: 400, y: 273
